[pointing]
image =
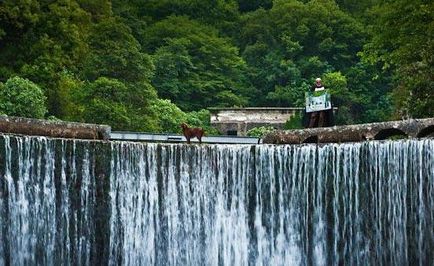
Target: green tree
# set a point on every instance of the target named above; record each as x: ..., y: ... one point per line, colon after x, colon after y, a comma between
x: 111, y: 102
x: 341, y: 96
x: 206, y: 53
x: 170, y: 116
x: 252, y: 5
x: 40, y: 40
x: 294, y: 42
x: 403, y: 41
x: 68, y: 91
x: 356, y: 7
x: 222, y: 14
x: 194, y: 67
x: 371, y: 93
x: 99, y: 9
x: 175, y: 72
x: 115, y: 53
x: 21, y: 97
x: 16, y: 20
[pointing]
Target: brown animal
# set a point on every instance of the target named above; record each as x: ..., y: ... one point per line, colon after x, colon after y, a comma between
x: 191, y: 132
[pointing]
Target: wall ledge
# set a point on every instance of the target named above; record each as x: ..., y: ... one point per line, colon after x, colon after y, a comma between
x: 55, y: 129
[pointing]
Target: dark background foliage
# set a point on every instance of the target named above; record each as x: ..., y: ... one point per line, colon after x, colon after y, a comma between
x: 147, y: 65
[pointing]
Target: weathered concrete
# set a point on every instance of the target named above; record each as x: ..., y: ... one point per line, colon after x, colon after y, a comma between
x: 240, y: 120
x: 177, y: 138
x: 55, y: 129
x: 411, y: 128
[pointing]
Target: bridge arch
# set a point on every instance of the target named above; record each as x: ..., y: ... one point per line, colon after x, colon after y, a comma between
x: 425, y: 132
x: 311, y: 139
x: 390, y: 132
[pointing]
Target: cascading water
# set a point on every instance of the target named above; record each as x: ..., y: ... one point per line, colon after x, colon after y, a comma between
x: 84, y: 203
x: 47, y: 200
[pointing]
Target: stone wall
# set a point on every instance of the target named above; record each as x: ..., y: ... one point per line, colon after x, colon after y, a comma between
x: 55, y: 129
x: 412, y: 128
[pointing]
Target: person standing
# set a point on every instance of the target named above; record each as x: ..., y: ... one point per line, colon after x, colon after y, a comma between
x: 317, y: 118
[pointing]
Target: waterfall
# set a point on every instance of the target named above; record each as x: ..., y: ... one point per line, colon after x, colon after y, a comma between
x: 74, y: 202
x: 46, y: 202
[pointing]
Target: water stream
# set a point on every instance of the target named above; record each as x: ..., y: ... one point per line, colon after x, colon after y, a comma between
x: 65, y: 202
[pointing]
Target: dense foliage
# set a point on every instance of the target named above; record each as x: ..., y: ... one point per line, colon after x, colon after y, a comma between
x: 403, y: 41
x: 21, y: 97
x: 149, y: 65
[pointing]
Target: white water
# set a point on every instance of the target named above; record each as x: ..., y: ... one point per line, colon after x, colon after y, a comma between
x: 63, y: 202
x: 35, y: 226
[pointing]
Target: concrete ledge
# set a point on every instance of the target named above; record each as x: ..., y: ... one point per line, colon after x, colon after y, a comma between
x: 411, y: 128
x: 176, y: 138
x: 55, y: 129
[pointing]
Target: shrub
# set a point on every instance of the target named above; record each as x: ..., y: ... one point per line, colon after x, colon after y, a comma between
x: 21, y: 97
x: 295, y: 122
x: 259, y: 132
x: 170, y: 116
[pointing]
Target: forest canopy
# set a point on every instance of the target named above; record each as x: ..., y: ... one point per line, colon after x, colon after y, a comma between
x: 147, y: 65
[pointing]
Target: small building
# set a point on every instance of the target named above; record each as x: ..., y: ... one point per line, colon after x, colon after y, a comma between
x: 237, y: 121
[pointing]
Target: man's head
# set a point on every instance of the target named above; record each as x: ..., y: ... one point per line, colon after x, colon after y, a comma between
x: 318, y: 81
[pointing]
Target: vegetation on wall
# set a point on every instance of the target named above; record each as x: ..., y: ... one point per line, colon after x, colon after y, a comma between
x: 260, y: 132
x: 148, y: 65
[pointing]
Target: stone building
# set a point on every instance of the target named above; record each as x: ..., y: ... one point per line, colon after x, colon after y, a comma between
x: 237, y: 121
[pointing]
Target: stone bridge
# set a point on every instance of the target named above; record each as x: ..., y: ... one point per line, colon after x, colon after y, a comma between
x: 412, y: 128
